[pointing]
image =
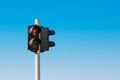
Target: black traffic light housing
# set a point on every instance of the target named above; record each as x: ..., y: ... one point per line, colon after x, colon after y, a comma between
x: 44, y: 36
x: 33, y: 38
x: 38, y: 38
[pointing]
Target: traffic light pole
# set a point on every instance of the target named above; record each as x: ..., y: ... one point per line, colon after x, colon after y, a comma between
x: 37, y: 58
x: 37, y: 66
x: 38, y: 42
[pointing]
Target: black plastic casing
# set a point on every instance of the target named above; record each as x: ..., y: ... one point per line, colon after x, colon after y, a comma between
x: 33, y: 38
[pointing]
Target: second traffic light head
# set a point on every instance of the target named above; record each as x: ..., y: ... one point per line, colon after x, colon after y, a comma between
x: 44, y: 36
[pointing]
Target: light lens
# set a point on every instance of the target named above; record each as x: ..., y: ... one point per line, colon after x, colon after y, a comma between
x: 34, y: 31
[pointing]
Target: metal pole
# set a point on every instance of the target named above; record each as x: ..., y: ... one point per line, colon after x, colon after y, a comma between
x: 37, y: 58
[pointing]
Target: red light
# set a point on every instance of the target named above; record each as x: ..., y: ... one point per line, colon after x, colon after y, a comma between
x: 35, y: 31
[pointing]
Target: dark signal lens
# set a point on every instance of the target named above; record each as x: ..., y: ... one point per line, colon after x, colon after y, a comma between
x: 34, y: 43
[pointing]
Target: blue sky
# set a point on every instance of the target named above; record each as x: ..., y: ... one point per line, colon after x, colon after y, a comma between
x: 87, y: 39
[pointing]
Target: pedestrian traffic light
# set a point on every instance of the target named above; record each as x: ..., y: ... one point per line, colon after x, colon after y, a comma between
x: 38, y: 38
x: 33, y: 38
x: 45, y: 43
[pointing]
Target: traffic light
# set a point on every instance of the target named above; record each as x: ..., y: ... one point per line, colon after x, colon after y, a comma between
x: 38, y: 38
x: 33, y: 38
x: 45, y: 43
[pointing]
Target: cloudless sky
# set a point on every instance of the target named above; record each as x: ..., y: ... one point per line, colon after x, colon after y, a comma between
x: 87, y: 39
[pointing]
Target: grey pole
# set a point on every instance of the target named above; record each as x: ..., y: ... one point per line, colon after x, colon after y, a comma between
x: 37, y: 58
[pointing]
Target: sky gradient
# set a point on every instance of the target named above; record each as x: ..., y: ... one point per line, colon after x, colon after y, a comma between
x: 87, y: 39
